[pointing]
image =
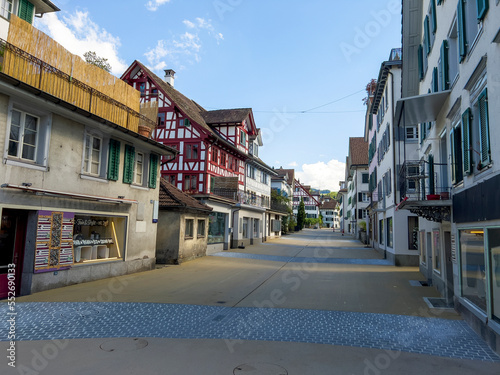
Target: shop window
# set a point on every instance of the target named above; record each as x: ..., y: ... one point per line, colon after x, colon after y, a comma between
x: 472, y: 267
x: 216, y: 227
x: 189, y: 228
x: 98, y: 238
x: 389, y: 233
x: 201, y: 228
x: 256, y: 228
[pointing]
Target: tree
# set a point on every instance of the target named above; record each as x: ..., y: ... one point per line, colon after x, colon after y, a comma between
x: 92, y: 58
x: 333, y: 194
x: 301, y: 214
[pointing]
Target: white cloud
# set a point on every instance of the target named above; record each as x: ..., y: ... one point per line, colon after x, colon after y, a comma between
x: 155, y: 4
x: 79, y: 34
x: 182, y: 49
x: 322, y: 175
x: 293, y: 164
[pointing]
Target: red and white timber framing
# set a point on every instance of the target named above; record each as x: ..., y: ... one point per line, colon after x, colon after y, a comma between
x: 301, y: 192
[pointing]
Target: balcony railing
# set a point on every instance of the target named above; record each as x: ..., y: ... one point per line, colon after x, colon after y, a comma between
x: 242, y: 197
x: 46, y: 78
x: 420, y: 180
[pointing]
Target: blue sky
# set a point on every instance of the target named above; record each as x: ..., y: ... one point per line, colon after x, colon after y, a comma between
x: 302, y: 66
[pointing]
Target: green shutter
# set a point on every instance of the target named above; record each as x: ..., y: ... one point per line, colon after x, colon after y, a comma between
x: 439, y: 2
x: 432, y: 188
x: 445, y: 71
x: 187, y: 122
x: 462, y: 40
x: 26, y: 10
x: 427, y: 35
x: 433, y: 16
x: 453, y: 157
x: 482, y: 8
x: 113, y: 159
x: 153, y: 170
x: 466, y: 142
x: 435, y: 80
x: 484, y: 128
x: 128, y: 165
x: 420, y: 62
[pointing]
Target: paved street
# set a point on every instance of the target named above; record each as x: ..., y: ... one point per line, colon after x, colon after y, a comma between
x: 310, y: 303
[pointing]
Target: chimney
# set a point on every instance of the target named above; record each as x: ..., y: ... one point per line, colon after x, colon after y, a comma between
x: 169, y: 76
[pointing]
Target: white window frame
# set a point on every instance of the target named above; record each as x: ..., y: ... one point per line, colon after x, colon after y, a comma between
x: 87, y: 167
x: 4, y: 11
x: 139, y: 168
x: 411, y: 133
x: 22, y: 132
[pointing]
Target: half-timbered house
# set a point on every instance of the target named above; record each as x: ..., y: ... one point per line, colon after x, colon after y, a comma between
x: 311, y: 203
x: 214, y: 149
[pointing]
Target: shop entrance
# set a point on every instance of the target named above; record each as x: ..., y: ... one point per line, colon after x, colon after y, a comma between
x: 12, y: 240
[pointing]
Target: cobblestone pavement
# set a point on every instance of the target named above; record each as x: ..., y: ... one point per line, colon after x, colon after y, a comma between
x: 277, y: 258
x: 432, y: 336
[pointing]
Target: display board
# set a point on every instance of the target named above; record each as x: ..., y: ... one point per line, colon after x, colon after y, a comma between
x: 54, y: 241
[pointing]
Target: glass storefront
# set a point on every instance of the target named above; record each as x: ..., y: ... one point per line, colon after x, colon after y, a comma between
x: 216, y: 227
x: 494, y: 251
x: 473, y: 268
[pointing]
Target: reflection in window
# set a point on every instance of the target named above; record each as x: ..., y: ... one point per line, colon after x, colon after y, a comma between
x: 473, y: 266
x: 216, y: 227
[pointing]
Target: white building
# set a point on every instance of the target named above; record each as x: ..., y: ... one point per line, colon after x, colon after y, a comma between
x: 450, y: 90
x: 393, y: 232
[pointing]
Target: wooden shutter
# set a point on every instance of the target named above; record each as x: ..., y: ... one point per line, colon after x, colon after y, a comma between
x: 435, y: 80
x: 433, y: 16
x: 153, y: 170
x: 484, y: 128
x: 420, y: 62
x: 466, y: 142
x: 453, y: 157
x: 445, y: 71
x: 432, y: 188
x: 462, y: 40
x: 482, y: 8
x: 427, y: 35
x: 26, y: 10
x: 113, y: 160
x: 128, y: 165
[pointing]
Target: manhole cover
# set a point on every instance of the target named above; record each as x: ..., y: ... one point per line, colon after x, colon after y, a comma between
x: 260, y: 369
x: 123, y: 345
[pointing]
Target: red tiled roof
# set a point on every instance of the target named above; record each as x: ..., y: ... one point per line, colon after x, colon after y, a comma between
x: 358, y: 151
x: 171, y: 197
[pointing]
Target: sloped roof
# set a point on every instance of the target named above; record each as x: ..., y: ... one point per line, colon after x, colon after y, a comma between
x: 329, y: 205
x: 289, y: 173
x: 171, y: 197
x: 358, y: 151
x: 226, y: 116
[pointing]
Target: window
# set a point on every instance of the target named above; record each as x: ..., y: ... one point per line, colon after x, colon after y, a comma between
x: 256, y: 228
x: 223, y: 159
x: 468, y: 14
x: 6, y: 8
x: 456, y: 154
x: 365, y: 178
x: 264, y: 178
x: 251, y: 172
x: 201, y: 228
x: 389, y: 232
x: 138, y: 168
x: 92, y: 156
x: 184, y: 122
x: 190, y: 182
x: 215, y: 155
x: 161, y: 119
x: 381, y: 231
x: 191, y: 151
x: 493, y: 248
x: 411, y: 133
x: 23, y: 137
x: 172, y: 178
x: 243, y: 138
x: 142, y: 88
x: 189, y: 228
x: 216, y: 227
x: 473, y: 268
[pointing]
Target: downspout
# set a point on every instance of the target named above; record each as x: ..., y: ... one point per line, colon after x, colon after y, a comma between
x: 393, y: 138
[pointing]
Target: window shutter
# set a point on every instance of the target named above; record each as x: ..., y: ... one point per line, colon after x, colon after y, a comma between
x: 431, y: 175
x: 360, y: 197
x: 113, y: 160
x: 153, y: 170
x: 420, y: 62
x: 484, y: 128
x: 482, y: 8
x: 462, y: 41
x: 128, y: 165
x: 466, y: 142
x: 26, y: 10
x: 433, y: 16
x: 445, y: 71
x: 453, y: 157
x: 427, y: 35
x: 435, y: 80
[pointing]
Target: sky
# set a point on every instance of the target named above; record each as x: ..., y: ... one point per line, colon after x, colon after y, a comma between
x: 301, y: 66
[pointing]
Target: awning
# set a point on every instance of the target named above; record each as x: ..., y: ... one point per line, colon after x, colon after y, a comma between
x: 54, y: 193
x: 422, y: 108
